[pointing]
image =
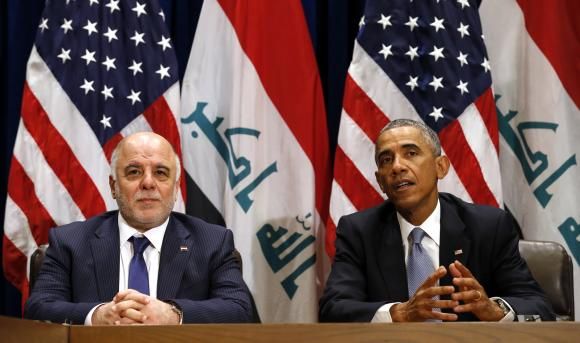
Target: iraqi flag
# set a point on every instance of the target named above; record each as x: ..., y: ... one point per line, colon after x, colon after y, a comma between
x: 533, y: 48
x: 256, y: 147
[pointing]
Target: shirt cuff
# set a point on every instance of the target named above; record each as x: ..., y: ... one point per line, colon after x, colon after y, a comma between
x: 88, y: 318
x: 383, y: 314
x: 511, y: 315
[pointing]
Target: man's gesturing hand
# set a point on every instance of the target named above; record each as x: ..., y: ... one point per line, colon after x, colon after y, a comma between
x: 420, y: 306
x: 473, y: 295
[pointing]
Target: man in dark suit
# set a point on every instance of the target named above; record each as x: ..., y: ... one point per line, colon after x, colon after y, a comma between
x: 185, y: 273
x: 470, y: 252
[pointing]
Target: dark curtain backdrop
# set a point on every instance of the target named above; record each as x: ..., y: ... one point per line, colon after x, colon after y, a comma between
x: 332, y: 23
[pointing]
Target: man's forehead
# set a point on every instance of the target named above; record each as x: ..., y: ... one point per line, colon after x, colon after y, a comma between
x: 136, y: 154
x: 402, y: 136
x: 136, y: 162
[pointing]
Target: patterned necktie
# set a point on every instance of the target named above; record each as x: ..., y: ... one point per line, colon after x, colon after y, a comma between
x: 138, y: 275
x: 419, y: 264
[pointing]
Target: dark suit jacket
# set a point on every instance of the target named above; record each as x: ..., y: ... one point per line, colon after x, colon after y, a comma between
x: 81, y: 270
x: 369, y: 267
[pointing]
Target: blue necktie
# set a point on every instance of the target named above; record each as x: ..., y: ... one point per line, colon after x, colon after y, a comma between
x: 138, y: 275
x: 419, y: 264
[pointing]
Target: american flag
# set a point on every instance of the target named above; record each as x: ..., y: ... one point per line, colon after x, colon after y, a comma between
x: 97, y: 72
x: 423, y: 60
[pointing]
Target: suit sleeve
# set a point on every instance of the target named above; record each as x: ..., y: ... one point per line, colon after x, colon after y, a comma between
x: 229, y: 300
x: 345, y: 296
x: 513, y: 280
x: 51, y: 298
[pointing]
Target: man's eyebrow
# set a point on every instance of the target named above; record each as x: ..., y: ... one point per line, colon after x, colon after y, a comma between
x: 404, y: 146
x: 133, y: 165
x: 383, y: 152
x: 411, y: 146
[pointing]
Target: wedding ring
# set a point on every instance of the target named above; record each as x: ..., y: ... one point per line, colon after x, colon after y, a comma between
x: 478, y: 296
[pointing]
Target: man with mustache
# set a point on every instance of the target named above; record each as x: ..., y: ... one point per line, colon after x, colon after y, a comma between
x: 424, y: 255
x: 181, y: 271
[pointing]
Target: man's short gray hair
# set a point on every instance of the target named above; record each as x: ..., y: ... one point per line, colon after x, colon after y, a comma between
x: 115, y: 158
x: 430, y: 136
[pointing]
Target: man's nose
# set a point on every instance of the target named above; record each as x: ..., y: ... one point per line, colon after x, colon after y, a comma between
x: 398, y: 165
x: 148, y: 181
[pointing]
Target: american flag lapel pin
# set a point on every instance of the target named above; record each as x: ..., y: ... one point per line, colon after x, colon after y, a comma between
x: 458, y: 252
x: 183, y: 248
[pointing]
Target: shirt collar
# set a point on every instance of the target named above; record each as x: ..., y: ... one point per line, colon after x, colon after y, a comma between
x: 154, y: 235
x: 431, y: 225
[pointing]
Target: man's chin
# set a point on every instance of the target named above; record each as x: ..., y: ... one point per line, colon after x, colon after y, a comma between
x: 150, y: 221
x: 404, y: 203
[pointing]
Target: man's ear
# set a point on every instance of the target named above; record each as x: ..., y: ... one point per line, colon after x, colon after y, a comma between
x: 442, y: 166
x: 175, y: 191
x: 112, y: 186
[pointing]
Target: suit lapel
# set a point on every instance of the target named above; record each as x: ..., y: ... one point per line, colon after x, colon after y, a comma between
x: 176, y: 249
x: 454, y: 242
x: 106, y: 254
x: 390, y: 255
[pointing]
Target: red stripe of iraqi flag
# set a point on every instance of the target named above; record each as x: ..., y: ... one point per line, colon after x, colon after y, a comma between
x: 274, y: 35
x: 554, y: 25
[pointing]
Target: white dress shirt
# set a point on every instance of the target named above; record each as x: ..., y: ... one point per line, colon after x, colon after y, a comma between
x: 430, y: 242
x: 151, y: 255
